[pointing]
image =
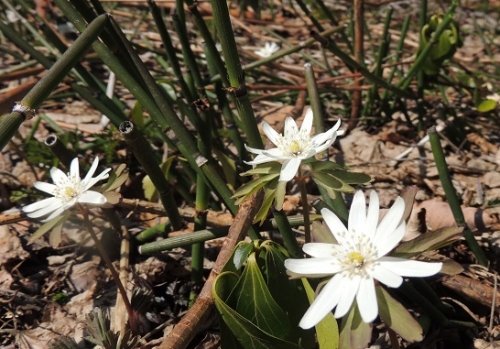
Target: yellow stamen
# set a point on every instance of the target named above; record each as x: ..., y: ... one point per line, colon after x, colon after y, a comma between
x: 356, y: 258
x: 295, y: 148
x: 69, y: 192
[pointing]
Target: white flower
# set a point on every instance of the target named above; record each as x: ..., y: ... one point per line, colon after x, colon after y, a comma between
x: 294, y: 146
x: 358, y: 258
x: 268, y: 50
x: 67, y: 190
x: 494, y: 97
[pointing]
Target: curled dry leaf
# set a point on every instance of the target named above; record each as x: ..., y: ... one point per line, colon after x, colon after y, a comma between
x: 435, y: 214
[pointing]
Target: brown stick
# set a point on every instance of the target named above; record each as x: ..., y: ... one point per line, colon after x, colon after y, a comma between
x: 358, y: 54
x: 192, y: 322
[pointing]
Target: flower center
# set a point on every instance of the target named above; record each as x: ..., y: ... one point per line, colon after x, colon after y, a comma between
x: 356, y: 259
x: 295, y: 148
x: 70, y: 192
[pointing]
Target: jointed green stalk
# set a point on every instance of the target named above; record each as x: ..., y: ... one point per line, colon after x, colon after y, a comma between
x: 11, y: 122
x: 452, y: 198
x: 235, y: 72
x: 145, y: 155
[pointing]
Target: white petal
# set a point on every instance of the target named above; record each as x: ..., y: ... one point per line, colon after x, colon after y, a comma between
x: 259, y: 159
x: 319, y: 249
x: 271, y: 133
x: 315, y: 267
x: 337, y: 228
x: 290, y: 127
x: 324, y: 146
x: 391, y: 220
x: 372, y: 214
x: 55, y: 213
x: 307, y: 122
x: 74, y: 168
x: 349, y: 289
x: 253, y: 150
x: 46, y: 187
x: 103, y: 175
x: 276, y: 154
x: 50, y: 207
x: 324, y: 302
x: 92, y: 169
x: 408, y: 267
x: 58, y: 177
x: 357, y: 214
x: 321, y: 138
x: 92, y: 197
x: 289, y: 169
x: 386, y: 241
x: 367, y: 300
x: 39, y: 204
x: 386, y: 276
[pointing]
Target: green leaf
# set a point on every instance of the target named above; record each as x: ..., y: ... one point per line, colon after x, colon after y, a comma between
x: 395, y: 315
x: 248, y: 334
x: 241, y: 253
x: 327, y: 181
x: 279, y: 195
x: 254, y: 302
x: 486, y: 106
x: 289, y: 294
x: 48, y: 226
x: 265, y: 206
x: 428, y: 241
x: 327, y: 330
x: 263, y: 169
x: 325, y: 166
x: 354, y: 333
x: 254, y: 185
x: 321, y: 233
x: 351, y: 177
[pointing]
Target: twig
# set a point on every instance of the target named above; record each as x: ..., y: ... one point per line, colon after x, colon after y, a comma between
x: 191, y: 323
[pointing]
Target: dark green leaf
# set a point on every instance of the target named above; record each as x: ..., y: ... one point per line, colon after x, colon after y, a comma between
x: 395, y: 315
x: 241, y: 253
x: 428, y: 241
x: 253, y: 301
x: 351, y: 177
x: 247, y: 333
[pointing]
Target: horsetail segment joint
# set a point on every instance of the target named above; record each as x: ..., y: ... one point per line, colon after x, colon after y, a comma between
x: 27, y: 113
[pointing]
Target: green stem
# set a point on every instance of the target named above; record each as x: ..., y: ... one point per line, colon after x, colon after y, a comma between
x: 180, y: 241
x: 59, y: 149
x: 11, y: 122
x: 314, y: 100
x: 235, y: 72
x: 352, y: 64
x: 145, y: 155
x: 452, y: 197
x: 287, y: 234
x: 305, y: 207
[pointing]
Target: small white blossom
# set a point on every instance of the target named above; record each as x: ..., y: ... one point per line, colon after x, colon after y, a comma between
x: 268, y: 50
x: 294, y: 145
x: 67, y: 190
x: 494, y: 97
x: 357, y: 260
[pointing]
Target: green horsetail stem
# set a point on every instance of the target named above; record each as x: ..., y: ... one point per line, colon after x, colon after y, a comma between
x: 235, y: 72
x: 145, y: 155
x: 452, y: 197
x: 25, y: 109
